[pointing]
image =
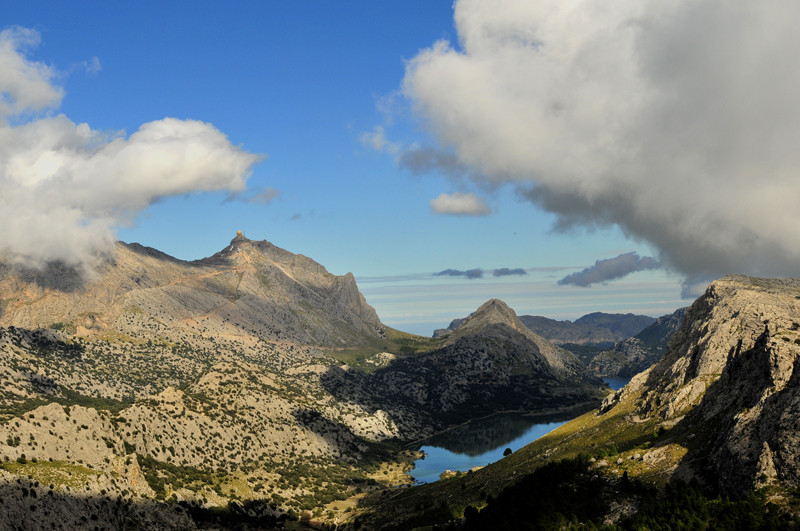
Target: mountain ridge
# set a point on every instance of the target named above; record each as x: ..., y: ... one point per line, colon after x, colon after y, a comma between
x: 562, y: 362
x: 249, y: 383
x: 492, y: 363
x: 634, y: 354
x: 252, y: 284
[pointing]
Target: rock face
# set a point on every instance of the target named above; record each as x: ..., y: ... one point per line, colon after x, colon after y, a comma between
x: 730, y: 385
x: 249, y: 288
x: 495, y: 314
x: 635, y: 354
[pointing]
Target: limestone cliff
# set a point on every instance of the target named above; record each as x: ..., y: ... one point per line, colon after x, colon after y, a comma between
x: 729, y: 386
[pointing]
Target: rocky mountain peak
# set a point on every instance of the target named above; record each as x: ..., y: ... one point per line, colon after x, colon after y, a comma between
x: 495, y: 319
x: 491, y: 312
x: 250, y: 287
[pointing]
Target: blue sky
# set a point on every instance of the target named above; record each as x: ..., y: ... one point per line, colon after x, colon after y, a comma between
x: 314, y: 87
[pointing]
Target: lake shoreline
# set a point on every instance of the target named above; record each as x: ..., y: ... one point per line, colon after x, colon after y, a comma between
x: 541, y: 415
x: 475, y: 442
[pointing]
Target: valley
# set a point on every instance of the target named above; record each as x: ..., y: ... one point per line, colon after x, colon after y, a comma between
x: 717, y: 412
x: 582, y: 210
x: 255, y: 388
x: 251, y: 378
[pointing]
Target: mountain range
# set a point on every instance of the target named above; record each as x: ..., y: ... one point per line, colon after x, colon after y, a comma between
x: 611, y: 345
x: 253, y: 384
x: 635, y: 354
x: 595, y: 328
x: 249, y: 289
x: 253, y: 388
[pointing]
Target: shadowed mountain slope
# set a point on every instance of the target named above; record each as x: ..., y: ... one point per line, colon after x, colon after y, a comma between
x: 591, y: 329
x: 635, y: 354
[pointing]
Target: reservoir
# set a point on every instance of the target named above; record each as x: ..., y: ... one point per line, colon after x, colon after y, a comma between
x: 616, y: 383
x: 481, y: 442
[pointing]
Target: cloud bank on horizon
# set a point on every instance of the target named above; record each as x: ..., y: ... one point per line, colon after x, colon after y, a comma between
x: 65, y: 187
x: 470, y: 273
x: 478, y: 273
x: 674, y: 119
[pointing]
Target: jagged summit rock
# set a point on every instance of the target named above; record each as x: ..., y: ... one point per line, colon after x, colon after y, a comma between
x: 248, y: 288
x: 493, y: 311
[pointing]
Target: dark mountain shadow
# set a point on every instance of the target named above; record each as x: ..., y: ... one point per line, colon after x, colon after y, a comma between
x: 27, y: 505
x: 54, y: 275
x: 341, y: 437
x: 42, y: 343
x: 470, y: 378
x: 41, y: 384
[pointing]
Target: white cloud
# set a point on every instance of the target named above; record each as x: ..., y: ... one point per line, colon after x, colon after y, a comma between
x: 376, y: 139
x: 65, y: 187
x: 675, y: 119
x: 459, y: 204
x: 24, y: 85
x: 93, y: 65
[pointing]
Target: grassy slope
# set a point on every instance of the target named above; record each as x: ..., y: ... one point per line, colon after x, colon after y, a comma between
x: 396, y: 342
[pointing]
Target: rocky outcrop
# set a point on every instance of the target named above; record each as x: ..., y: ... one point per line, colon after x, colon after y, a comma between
x: 730, y: 384
x: 637, y: 353
x: 564, y: 365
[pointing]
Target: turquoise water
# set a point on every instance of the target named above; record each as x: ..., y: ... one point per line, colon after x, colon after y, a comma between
x: 481, y: 442
x: 478, y: 444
